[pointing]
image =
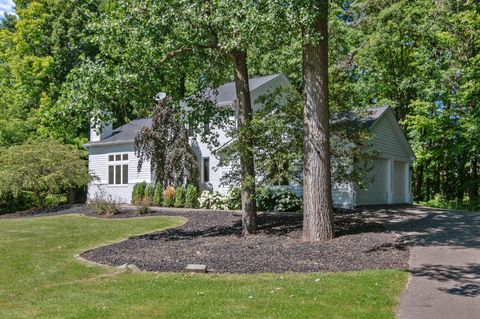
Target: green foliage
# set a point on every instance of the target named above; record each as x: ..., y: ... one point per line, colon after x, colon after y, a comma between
x: 169, y: 196
x: 212, y: 200
x: 278, y: 200
x: 37, y: 51
x: 180, y: 197
x: 158, y: 196
x: 234, y: 199
x: 22, y: 201
x: 42, y: 167
x: 138, y: 193
x: 53, y: 200
x: 142, y: 210
x: 278, y: 126
x: 191, y: 197
x: 148, y: 199
x: 439, y: 201
x: 264, y: 199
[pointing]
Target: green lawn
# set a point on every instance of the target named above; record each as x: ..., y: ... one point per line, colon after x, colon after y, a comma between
x: 40, y: 278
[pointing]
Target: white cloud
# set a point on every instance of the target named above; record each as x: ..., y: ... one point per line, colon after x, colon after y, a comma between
x: 6, y: 6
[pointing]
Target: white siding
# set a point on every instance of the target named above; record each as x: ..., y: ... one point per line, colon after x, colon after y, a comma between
x: 343, y: 195
x: 98, y: 167
x: 387, y: 140
x: 376, y: 192
x: 202, y: 150
x: 399, y: 182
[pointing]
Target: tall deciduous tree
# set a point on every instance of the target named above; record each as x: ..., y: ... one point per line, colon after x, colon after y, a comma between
x: 317, y: 185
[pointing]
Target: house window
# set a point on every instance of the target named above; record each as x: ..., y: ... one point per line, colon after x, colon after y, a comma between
x: 206, y: 169
x: 190, y: 128
x: 117, y: 169
x: 206, y: 127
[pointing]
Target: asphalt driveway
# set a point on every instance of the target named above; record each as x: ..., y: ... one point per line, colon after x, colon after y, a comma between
x: 444, y: 260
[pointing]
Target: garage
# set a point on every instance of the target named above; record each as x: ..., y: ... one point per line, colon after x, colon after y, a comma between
x: 399, y: 182
x: 376, y: 180
x: 389, y: 180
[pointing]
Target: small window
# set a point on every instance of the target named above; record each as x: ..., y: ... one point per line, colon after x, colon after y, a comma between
x: 110, y: 174
x: 206, y: 127
x: 206, y: 169
x: 125, y: 174
x: 190, y: 128
x: 125, y: 157
x: 118, y: 174
x: 118, y: 157
x: 110, y: 158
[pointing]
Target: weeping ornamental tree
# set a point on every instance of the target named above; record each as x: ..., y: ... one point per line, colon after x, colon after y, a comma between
x: 165, y: 144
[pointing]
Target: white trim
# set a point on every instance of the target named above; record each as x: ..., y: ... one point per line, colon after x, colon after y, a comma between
x: 390, y: 180
x: 121, y: 162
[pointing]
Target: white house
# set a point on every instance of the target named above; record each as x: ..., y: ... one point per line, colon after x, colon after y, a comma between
x: 112, y: 159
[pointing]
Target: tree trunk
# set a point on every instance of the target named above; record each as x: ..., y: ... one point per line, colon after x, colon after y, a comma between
x: 247, y: 168
x: 317, y: 188
x: 473, y: 187
x: 436, y: 189
x: 419, y: 183
x: 427, y: 191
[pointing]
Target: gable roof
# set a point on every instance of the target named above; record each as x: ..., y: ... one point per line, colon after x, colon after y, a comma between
x: 367, y: 116
x: 227, y: 93
x: 224, y: 94
x: 123, y: 134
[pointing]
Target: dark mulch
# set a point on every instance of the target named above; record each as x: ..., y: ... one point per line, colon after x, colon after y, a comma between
x: 214, y: 238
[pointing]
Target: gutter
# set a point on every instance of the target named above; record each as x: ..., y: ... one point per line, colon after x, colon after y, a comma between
x: 100, y: 143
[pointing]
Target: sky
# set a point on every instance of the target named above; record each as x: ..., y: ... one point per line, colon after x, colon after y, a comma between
x: 6, y: 6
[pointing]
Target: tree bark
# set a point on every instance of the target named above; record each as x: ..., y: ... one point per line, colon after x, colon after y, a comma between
x: 247, y: 168
x: 419, y: 183
x: 317, y: 189
x: 473, y: 189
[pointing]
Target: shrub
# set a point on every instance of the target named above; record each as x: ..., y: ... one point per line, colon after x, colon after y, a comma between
x: 191, y: 197
x: 138, y: 193
x: 22, y: 201
x: 55, y: 200
x: 169, y: 196
x: 264, y: 199
x: 143, y: 210
x: 103, y: 204
x: 42, y: 167
x: 440, y: 201
x: 180, y: 197
x: 148, y: 197
x: 234, y: 199
x: 278, y: 200
x: 286, y: 201
x: 212, y: 200
x: 157, y: 197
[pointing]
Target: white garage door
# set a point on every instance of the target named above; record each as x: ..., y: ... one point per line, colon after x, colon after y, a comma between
x: 376, y: 192
x: 399, y: 182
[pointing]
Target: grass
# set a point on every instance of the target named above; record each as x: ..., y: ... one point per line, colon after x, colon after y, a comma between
x: 40, y: 278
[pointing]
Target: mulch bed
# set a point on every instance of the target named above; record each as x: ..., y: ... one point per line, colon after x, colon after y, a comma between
x: 213, y: 238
